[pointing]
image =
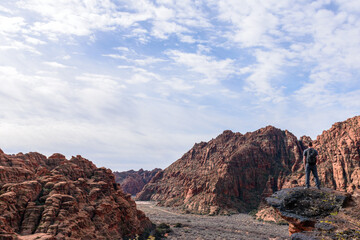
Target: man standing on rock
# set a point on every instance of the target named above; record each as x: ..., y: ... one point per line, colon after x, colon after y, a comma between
x: 310, y: 157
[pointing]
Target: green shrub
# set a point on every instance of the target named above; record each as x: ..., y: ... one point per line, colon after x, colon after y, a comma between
x: 161, y: 230
x: 178, y: 225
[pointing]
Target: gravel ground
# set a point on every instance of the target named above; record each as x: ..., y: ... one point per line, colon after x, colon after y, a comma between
x: 238, y: 226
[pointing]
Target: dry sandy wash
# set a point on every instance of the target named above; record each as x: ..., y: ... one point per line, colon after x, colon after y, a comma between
x: 237, y: 226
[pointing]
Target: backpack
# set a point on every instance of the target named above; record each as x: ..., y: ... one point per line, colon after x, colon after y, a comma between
x: 311, y: 156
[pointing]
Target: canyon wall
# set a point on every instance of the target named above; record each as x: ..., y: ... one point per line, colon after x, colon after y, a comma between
x: 338, y: 160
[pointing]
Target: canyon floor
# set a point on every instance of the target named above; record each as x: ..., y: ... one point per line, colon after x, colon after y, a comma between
x: 198, y: 227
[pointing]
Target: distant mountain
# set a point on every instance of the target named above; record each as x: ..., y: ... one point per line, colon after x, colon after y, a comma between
x: 56, y: 198
x: 234, y: 172
x: 133, y: 181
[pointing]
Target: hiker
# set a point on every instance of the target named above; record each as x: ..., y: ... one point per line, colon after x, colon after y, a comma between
x: 310, y: 156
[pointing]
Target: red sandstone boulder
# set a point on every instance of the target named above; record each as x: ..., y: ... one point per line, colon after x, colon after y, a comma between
x: 55, y: 198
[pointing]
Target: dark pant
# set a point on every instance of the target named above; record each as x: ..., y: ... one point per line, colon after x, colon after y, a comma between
x: 311, y: 168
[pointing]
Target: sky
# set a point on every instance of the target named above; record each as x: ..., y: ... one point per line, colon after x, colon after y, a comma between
x: 134, y: 84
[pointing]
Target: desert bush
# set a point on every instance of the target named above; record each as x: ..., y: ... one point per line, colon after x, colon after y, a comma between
x: 178, y: 225
x: 161, y: 230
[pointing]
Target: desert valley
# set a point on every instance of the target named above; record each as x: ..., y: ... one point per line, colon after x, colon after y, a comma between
x: 207, y: 194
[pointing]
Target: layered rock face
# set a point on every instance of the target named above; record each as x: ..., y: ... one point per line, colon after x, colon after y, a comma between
x: 339, y: 158
x: 233, y: 172
x: 133, y: 181
x: 230, y: 173
x: 55, y: 198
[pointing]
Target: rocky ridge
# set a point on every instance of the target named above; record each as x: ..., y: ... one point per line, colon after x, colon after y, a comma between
x: 229, y: 174
x: 235, y: 172
x: 56, y: 198
x: 133, y: 181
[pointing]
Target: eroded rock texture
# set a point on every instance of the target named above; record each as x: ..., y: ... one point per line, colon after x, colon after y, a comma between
x: 230, y: 173
x: 339, y: 158
x: 302, y: 208
x: 55, y: 198
x: 233, y: 172
x: 318, y: 214
x: 133, y: 181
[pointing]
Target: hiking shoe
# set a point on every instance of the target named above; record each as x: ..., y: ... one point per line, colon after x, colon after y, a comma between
x: 318, y: 187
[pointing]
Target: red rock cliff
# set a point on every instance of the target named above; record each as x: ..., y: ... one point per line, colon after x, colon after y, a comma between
x: 234, y: 172
x: 339, y: 157
x: 55, y: 198
x: 133, y: 181
x: 230, y: 173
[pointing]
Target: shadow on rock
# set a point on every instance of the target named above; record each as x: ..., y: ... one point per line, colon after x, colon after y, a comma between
x: 314, y: 214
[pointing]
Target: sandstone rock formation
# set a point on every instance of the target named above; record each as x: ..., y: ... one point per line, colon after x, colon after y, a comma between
x: 230, y: 173
x: 133, y: 181
x: 339, y: 158
x: 233, y: 172
x: 55, y: 198
x: 317, y: 214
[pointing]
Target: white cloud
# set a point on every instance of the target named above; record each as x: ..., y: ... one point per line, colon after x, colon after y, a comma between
x: 142, y: 75
x: 78, y: 18
x: 147, y: 61
x: 264, y: 74
x: 179, y: 84
x: 34, y: 41
x: 352, y: 6
x: 18, y: 46
x: 10, y: 25
x: 322, y: 42
x: 187, y: 38
x: 162, y: 29
x: 5, y: 10
x: 30, y: 95
x: 125, y: 49
x: 149, y: 76
x: 66, y: 57
x: 213, y: 70
x: 168, y: 18
x: 252, y: 24
x: 115, y: 56
x: 56, y: 65
x: 93, y: 116
x: 137, y: 60
x: 99, y: 81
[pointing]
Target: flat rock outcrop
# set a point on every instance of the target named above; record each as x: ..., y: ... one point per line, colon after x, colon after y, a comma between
x: 133, y: 181
x: 56, y: 198
x: 317, y: 214
x: 228, y: 174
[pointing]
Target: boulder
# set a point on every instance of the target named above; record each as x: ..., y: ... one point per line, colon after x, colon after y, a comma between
x: 305, y: 209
